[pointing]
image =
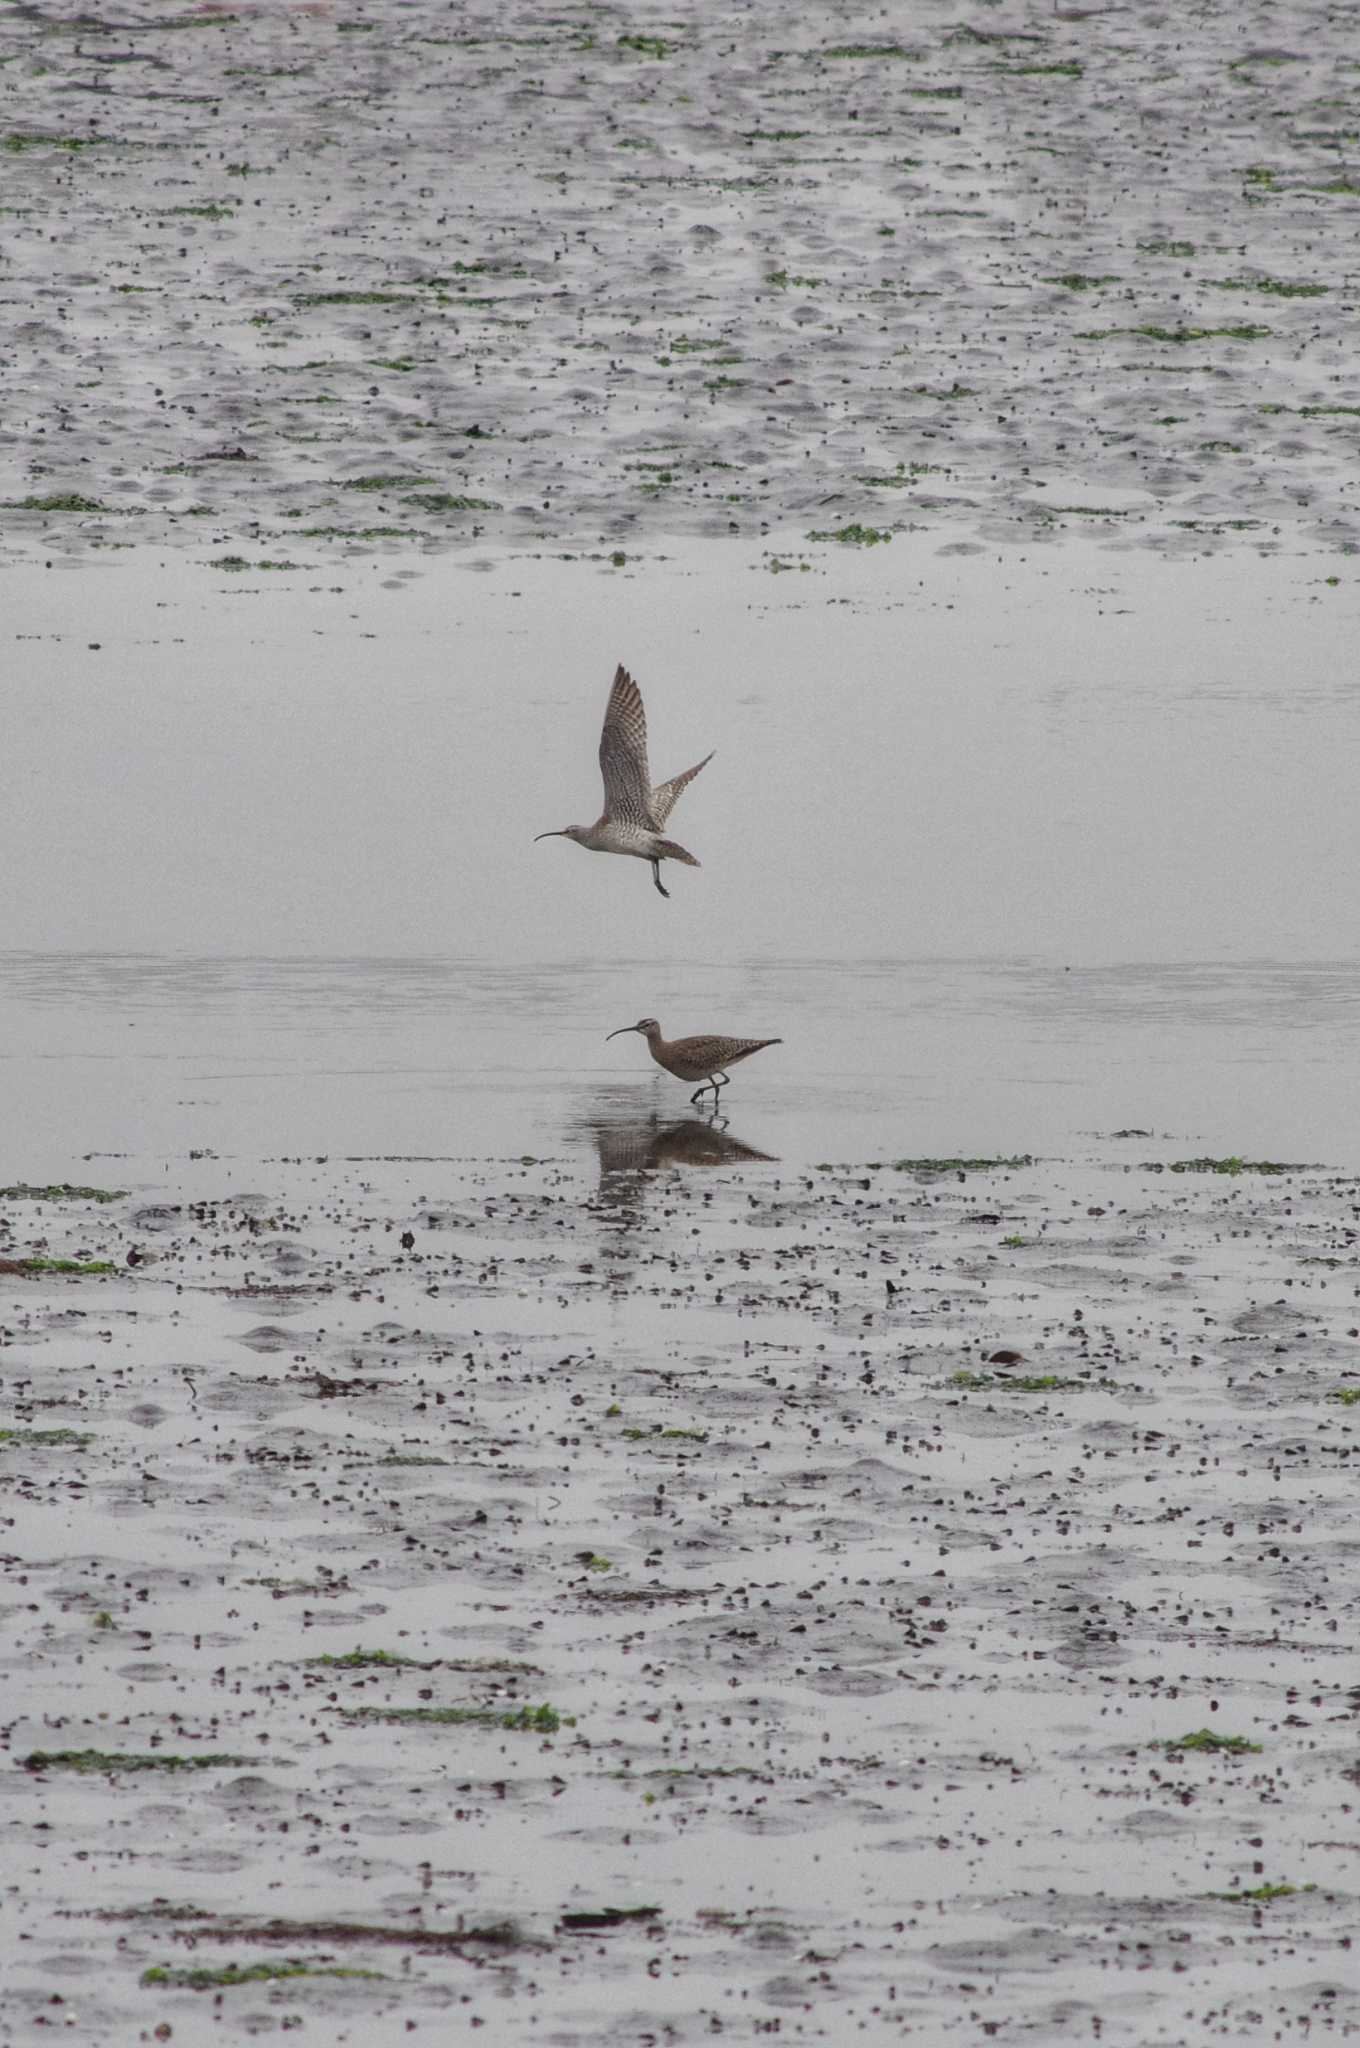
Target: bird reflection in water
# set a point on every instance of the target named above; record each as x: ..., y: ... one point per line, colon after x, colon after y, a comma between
x: 629, y: 1147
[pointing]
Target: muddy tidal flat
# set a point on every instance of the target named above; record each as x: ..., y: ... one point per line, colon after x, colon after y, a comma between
x: 670, y: 1595
x: 485, y: 1551
x: 285, y: 281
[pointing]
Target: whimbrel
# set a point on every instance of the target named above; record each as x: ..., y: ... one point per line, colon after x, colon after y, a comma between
x: 696, y: 1059
x: 634, y: 812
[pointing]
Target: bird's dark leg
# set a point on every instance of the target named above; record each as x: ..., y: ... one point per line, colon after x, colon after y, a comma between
x: 656, y: 877
x: 698, y: 1092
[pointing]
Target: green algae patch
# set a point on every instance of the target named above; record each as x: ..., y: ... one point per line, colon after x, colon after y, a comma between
x: 1231, y: 1166
x: 355, y: 533
x: 234, y: 564
x: 893, y: 52
x: 1349, y: 1397
x: 365, y: 1660
x: 173, y: 1910
x: 855, y: 536
x: 384, y: 483
x: 659, y: 1435
x: 1262, y: 1894
x: 542, y: 1720
x: 208, y: 1926
x: 284, y: 1589
x: 695, y: 1774
x: 213, y: 20
x: 1179, y: 336
x: 647, y: 46
x: 197, y: 1977
x: 19, y: 140
x: 55, y: 501
x: 44, y: 1439
x: 309, y: 299
x: 59, y: 1191
x: 448, y: 501
x: 39, y: 1264
x: 998, y: 1165
x: 494, y: 1666
x: 89, y: 1761
x: 903, y: 477
x: 1273, y: 287
x: 1076, y: 281
x: 1021, y: 1383
x: 607, y: 1916
x: 1208, y: 1743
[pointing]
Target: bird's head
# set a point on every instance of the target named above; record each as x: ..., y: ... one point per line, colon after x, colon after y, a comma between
x: 646, y: 1026
x: 576, y: 832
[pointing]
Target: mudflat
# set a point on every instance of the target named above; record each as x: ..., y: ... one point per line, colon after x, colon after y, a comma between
x: 484, y: 1548
x: 300, y: 278
x: 671, y: 1591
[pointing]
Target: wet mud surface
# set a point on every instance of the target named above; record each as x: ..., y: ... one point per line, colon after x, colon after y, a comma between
x: 673, y: 1594
x: 657, y: 1590
x: 286, y: 282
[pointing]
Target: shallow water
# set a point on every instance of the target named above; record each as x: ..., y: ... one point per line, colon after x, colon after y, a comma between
x: 172, y: 1057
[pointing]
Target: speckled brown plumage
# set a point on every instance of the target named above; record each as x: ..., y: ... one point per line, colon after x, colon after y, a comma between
x: 634, y: 812
x: 696, y: 1059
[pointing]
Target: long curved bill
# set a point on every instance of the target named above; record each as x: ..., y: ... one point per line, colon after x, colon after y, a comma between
x: 619, y: 1033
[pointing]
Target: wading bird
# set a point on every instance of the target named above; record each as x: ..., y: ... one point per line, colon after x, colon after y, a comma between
x: 696, y: 1059
x: 634, y: 812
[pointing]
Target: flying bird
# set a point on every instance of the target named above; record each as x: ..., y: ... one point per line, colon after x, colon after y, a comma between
x: 634, y: 813
x: 695, y: 1059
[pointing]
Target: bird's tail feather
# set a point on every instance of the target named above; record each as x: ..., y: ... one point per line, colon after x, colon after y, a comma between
x: 670, y: 849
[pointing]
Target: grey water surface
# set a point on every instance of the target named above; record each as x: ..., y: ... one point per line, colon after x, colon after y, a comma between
x: 171, y: 1055
x: 1009, y: 849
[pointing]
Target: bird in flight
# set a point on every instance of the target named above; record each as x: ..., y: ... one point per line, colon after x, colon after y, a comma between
x: 634, y: 813
x: 696, y: 1059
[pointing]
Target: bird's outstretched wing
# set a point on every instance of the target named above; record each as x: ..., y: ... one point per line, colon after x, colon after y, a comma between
x: 623, y: 755
x: 665, y: 793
